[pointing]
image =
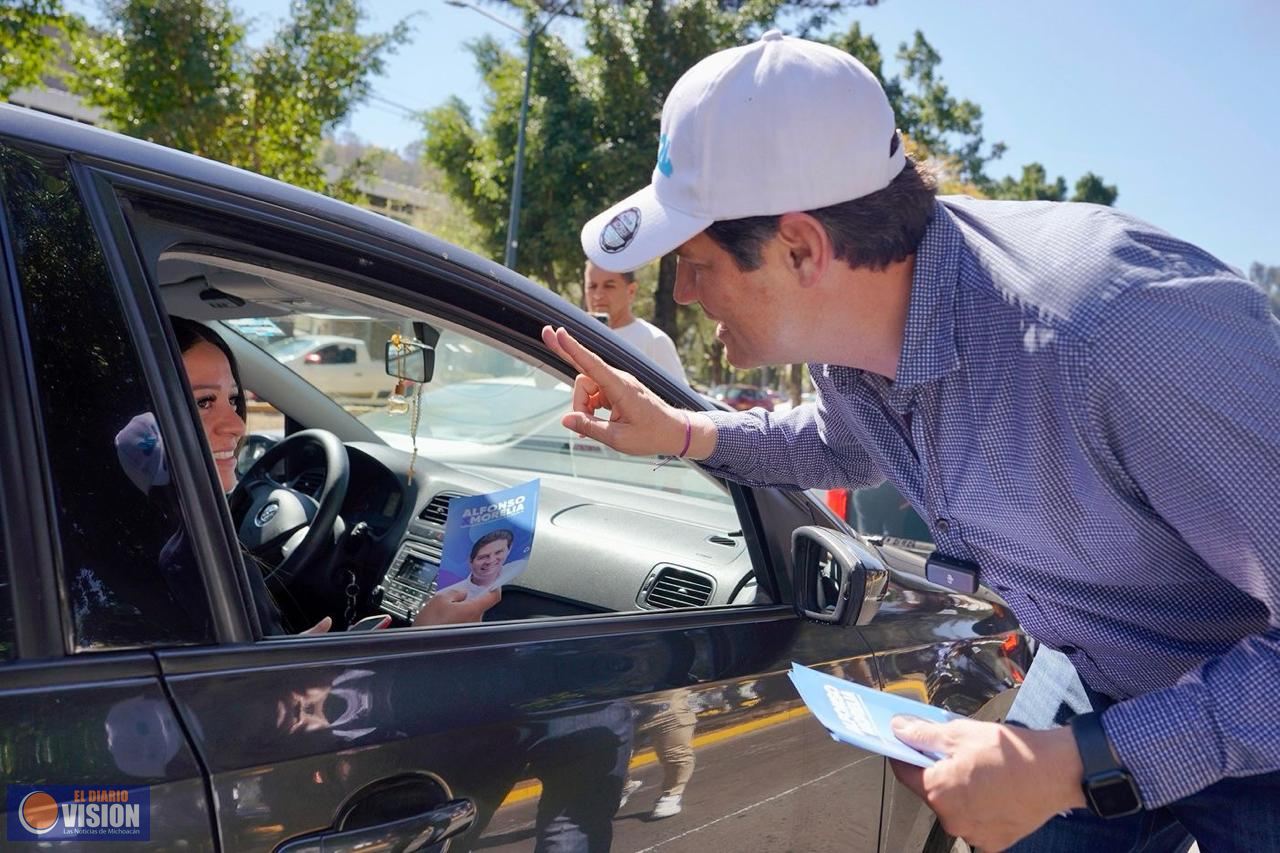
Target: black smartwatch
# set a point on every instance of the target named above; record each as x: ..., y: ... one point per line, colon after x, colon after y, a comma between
x: 1109, y: 788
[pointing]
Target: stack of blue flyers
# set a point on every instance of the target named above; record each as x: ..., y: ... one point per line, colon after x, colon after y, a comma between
x: 860, y: 715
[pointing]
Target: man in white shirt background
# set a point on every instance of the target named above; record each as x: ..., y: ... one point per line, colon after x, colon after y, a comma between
x: 613, y: 293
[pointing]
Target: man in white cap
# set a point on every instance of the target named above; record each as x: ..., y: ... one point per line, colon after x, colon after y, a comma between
x: 1084, y: 409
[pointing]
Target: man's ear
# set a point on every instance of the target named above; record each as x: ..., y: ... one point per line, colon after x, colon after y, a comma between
x: 807, y: 246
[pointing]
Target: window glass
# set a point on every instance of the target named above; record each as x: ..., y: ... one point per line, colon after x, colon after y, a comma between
x: 128, y: 570
x: 615, y: 532
x: 483, y: 405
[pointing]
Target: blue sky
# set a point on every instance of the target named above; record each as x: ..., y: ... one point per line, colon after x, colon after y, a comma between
x: 1175, y: 101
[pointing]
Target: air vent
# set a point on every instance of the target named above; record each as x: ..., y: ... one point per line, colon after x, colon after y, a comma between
x: 437, y: 510
x: 673, y: 588
x: 717, y: 539
x: 310, y: 483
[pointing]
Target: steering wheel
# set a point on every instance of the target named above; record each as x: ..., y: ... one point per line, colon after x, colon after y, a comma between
x: 280, y: 525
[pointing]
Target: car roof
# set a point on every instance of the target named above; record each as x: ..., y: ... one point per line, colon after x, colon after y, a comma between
x: 94, y: 143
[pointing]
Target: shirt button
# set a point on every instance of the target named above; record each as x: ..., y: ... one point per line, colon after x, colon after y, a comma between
x: 1068, y: 650
x: 943, y: 525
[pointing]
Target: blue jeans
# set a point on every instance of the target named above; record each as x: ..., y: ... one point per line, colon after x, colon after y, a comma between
x: 1234, y: 816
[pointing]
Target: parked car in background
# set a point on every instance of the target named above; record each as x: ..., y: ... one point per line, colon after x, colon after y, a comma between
x: 743, y: 397
x: 341, y: 367
x: 661, y: 608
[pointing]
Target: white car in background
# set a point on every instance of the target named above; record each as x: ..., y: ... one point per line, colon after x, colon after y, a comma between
x: 340, y: 367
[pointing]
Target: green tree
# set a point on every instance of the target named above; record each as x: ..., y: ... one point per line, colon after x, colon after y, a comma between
x: 31, y: 36
x: 1268, y: 278
x: 178, y: 72
x: 1090, y: 188
x: 593, y: 127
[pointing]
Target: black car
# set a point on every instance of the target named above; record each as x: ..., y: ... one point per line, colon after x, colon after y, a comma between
x: 650, y: 635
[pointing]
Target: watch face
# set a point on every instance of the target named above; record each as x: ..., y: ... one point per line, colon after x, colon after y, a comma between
x: 1113, y: 795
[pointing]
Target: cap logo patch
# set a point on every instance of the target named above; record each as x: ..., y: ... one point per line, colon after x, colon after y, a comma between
x: 621, y: 231
x: 664, y: 161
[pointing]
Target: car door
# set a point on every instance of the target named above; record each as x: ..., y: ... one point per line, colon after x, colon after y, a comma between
x: 90, y: 746
x: 528, y: 730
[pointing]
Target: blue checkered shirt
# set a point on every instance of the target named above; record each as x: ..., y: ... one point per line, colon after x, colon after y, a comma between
x: 1090, y: 410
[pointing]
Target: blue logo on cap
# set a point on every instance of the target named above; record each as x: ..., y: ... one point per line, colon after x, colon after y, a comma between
x: 664, y: 162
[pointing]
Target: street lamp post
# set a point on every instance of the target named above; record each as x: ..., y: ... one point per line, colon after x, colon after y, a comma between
x: 517, y: 179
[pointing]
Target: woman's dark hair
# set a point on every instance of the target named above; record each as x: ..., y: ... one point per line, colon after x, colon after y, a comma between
x: 492, y: 536
x: 869, y: 232
x: 189, y: 333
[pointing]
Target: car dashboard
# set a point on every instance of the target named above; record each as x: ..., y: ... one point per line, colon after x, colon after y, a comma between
x: 599, y: 546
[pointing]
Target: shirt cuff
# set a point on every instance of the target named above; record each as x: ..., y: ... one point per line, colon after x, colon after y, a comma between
x: 1168, y: 740
x: 736, y: 443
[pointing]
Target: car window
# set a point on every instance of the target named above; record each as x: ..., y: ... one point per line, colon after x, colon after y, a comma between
x: 615, y: 532
x: 483, y: 405
x: 128, y: 574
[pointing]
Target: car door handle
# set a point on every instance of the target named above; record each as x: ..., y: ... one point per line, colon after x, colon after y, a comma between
x: 401, y: 836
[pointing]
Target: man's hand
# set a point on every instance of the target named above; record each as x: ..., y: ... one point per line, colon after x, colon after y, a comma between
x: 452, y: 607
x: 639, y: 423
x: 997, y: 784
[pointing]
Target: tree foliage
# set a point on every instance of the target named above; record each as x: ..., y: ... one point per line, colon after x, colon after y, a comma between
x: 1268, y: 278
x: 593, y: 129
x: 178, y: 72
x: 31, y: 35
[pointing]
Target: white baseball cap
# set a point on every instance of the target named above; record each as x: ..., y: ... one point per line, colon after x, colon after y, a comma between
x: 780, y: 125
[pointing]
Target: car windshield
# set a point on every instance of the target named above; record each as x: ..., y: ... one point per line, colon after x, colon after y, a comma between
x: 289, y: 347
x: 483, y: 405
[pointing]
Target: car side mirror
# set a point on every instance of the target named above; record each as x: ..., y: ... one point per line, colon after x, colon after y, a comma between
x: 837, y: 579
x: 411, y: 360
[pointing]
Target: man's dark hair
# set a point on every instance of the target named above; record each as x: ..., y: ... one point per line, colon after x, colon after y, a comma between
x: 869, y: 232
x: 492, y: 536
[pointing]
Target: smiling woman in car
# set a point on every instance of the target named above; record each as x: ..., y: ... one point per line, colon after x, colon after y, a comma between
x: 215, y: 386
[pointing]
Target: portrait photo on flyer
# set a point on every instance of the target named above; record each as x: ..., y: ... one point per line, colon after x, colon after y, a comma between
x: 488, y: 538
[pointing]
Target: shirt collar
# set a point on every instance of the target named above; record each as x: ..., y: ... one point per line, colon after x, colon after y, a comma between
x: 928, y: 342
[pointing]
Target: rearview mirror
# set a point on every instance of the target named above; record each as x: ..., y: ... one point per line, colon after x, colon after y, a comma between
x: 411, y: 360
x: 837, y: 579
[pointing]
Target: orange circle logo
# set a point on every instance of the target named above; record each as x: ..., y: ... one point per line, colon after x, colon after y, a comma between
x: 38, y: 812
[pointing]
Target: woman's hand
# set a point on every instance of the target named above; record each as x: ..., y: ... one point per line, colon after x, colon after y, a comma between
x: 452, y: 607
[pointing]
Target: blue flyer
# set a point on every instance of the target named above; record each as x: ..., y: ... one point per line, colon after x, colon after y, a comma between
x: 488, y: 538
x: 860, y: 715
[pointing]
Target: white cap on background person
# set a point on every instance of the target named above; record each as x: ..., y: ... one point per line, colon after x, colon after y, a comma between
x: 776, y: 126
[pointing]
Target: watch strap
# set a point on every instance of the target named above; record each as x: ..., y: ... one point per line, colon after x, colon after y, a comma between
x: 1096, y: 753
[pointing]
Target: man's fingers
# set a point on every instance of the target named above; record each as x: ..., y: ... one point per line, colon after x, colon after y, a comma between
x: 919, y: 734
x: 910, y: 776
x: 590, y: 364
x: 550, y: 339
x: 586, y: 395
x: 588, y: 426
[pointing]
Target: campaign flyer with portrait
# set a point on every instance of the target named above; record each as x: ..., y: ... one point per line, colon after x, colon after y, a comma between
x: 861, y: 715
x: 488, y: 538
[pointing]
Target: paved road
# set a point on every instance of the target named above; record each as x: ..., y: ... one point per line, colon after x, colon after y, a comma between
x: 733, y: 804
